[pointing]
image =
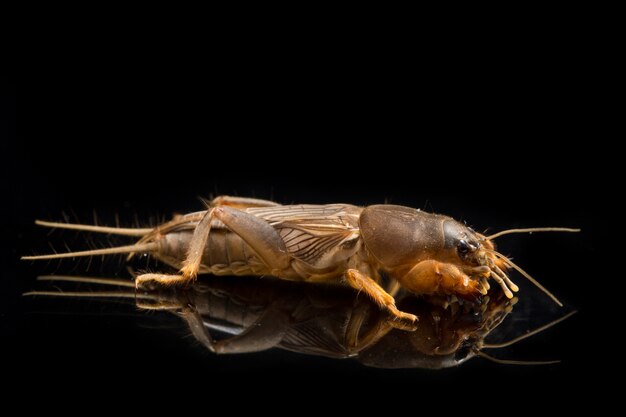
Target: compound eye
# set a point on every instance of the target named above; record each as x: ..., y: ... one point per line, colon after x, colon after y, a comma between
x: 463, y: 247
x: 463, y: 352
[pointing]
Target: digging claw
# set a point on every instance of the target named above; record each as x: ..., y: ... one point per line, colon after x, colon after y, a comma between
x: 473, y: 291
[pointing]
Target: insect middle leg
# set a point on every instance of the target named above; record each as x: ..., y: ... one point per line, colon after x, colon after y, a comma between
x: 256, y: 232
x: 362, y: 282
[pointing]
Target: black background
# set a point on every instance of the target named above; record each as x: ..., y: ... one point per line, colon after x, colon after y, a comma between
x: 494, y: 148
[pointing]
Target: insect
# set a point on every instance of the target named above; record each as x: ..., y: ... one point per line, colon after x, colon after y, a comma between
x: 337, y: 243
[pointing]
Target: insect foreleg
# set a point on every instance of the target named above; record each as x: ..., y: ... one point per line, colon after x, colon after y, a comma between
x: 432, y: 277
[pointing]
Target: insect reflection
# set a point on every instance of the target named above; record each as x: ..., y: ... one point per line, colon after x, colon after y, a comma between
x: 241, y: 316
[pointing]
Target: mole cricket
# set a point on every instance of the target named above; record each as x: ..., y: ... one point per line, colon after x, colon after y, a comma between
x: 425, y: 253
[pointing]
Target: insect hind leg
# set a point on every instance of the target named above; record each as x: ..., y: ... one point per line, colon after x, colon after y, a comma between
x: 192, y: 263
x: 256, y: 232
x: 240, y: 202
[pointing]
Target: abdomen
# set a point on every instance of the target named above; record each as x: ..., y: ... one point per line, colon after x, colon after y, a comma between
x: 224, y: 254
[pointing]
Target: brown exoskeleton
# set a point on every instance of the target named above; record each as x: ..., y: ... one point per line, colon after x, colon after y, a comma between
x: 340, y: 243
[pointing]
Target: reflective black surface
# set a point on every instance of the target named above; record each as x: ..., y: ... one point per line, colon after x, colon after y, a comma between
x: 235, y: 315
x: 111, y: 336
x: 101, y: 157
